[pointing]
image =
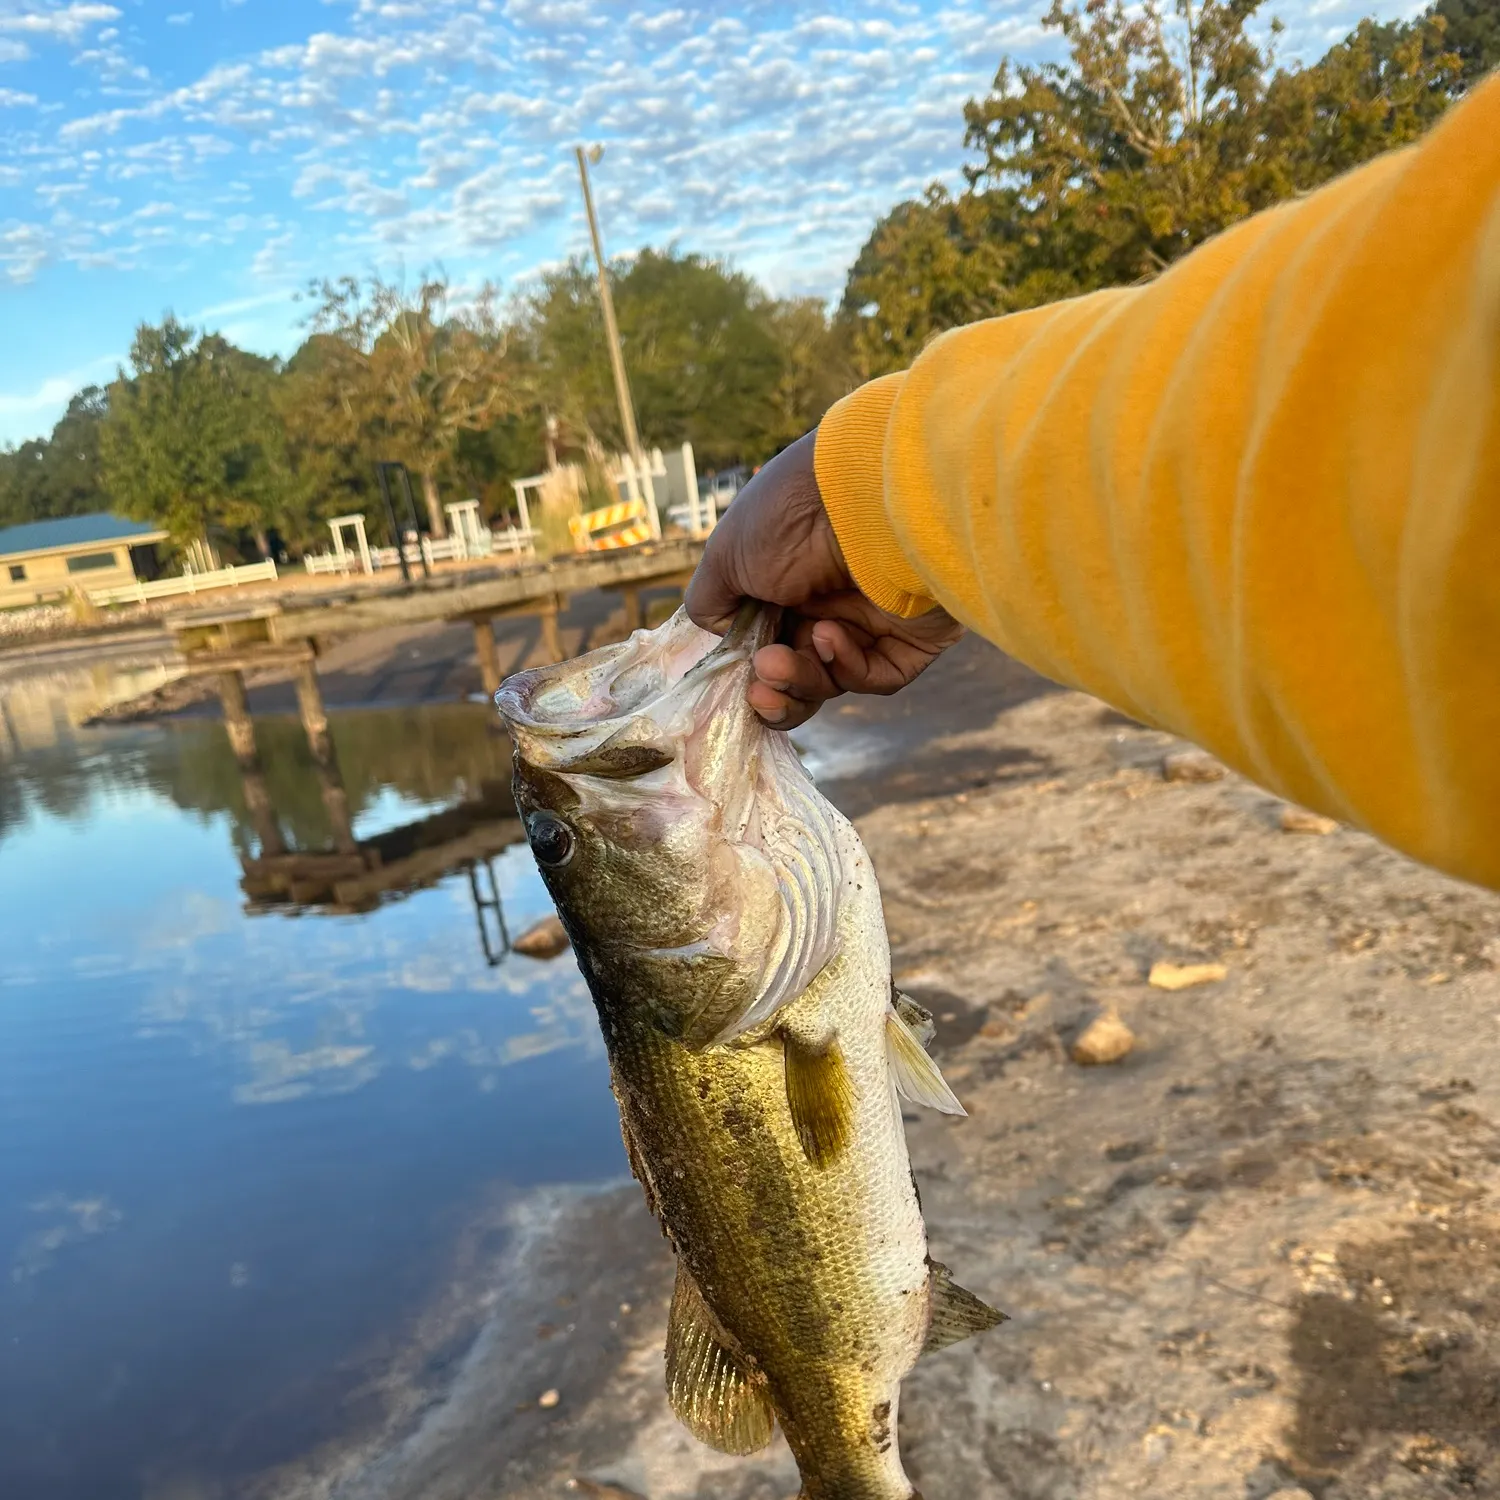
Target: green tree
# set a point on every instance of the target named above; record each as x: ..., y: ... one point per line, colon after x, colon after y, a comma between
x: 711, y: 359
x: 406, y: 374
x: 329, y: 457
x: 1158, y: 131
x: 1381, y: 87
x: 931, y: 265
x: 191, y: 440
x: 484, y: 463
x: 60, y: 475
x: 1473, y: 34
x: 699, y: 354
x: 817, y: 367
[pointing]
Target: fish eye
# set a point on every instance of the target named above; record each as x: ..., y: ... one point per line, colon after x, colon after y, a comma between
x: 552, y: 840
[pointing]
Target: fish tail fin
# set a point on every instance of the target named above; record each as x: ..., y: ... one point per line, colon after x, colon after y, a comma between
x: 957, y: 1313
x: 915, y: 1074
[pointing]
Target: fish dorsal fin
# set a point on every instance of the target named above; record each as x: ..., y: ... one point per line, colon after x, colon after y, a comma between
x: 820, y: 1094
x: 915, y: 1074
x: 715, y: 1397
x: 956, y: 1312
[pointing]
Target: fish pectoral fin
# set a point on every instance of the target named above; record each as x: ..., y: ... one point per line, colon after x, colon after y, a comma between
x: 916, y: 1076
x: 715, y: 1397
x: 820, y: 1094
x: 956, y: 1312
x: 917, y: 1017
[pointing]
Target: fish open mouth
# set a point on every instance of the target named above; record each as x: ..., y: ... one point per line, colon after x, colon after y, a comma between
x: 657, y: 729
x: 579, y: 715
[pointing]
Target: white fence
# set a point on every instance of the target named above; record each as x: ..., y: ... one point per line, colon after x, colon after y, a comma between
x: 709, y: 498
x: 515, y: 539
x: 701, y: 517
x: 189, y: 583
x: 512, y: 539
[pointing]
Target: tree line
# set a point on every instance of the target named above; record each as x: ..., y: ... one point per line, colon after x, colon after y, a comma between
x: 1157, y: 130
x: 214, y: 442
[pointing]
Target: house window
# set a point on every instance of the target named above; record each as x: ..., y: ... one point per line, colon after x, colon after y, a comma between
x: 18, y: 572
x: 87, y: 562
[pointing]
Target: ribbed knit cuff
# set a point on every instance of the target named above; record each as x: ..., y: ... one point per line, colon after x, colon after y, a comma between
x: 849, y: 461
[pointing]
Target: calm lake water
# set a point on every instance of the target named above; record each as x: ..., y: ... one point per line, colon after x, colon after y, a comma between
x: 237, y: 1150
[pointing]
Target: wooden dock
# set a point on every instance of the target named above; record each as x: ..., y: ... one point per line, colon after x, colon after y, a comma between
x: 290, y: 633
x: 355, y: 875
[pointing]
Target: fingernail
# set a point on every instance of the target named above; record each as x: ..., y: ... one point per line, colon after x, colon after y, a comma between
x: 780, y: 684
x: 824, y: 650
x: 773, y: 715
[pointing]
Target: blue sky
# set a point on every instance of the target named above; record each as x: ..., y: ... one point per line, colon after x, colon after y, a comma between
x: 209, y: 156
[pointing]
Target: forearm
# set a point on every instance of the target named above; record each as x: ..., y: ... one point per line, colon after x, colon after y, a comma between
x: 1257, y: 502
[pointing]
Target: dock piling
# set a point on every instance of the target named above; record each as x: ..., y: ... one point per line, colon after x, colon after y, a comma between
x: 241, y: 730
x: 331, y: 781
x: 631, y: 595
x: 551, y: 635
x: 489, y: 656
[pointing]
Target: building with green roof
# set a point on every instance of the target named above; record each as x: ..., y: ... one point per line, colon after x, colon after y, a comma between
x: 43, y: 561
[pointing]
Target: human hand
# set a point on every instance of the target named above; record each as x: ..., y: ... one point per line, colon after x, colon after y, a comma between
x: 776, y: 544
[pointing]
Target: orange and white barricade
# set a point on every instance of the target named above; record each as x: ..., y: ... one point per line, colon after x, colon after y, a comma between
x: 624, y: 524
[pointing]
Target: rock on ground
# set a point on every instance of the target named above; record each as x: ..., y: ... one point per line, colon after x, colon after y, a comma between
x: 542, y: 940
x: 1106, y: 1039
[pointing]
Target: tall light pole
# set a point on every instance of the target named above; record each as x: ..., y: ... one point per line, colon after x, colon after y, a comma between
x: 612, y: 335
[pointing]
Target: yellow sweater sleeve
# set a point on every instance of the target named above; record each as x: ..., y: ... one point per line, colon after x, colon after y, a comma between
x: 1256, y: 502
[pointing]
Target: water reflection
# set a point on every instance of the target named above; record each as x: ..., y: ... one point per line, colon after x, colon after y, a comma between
x: 237, y: 1149
x: 432, y: 756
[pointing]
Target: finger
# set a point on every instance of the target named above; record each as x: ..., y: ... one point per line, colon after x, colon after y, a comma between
x: 798, y: 674
x: 854, y: 665
x: 779, y: 710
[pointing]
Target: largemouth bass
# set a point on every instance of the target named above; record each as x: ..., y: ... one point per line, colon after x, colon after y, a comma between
x: 728, y: 922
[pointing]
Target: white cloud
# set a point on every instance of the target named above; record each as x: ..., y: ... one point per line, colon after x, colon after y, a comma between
x: 269, y: 260
x: 239, y: 305
x: 61, y: 23
x: 23, y: 252
x: 556, y: 14
x: 181, y: 18
x: 404, y: 132
x: 64, y: 1222
x: 53, y: 393
x: 667, y: 20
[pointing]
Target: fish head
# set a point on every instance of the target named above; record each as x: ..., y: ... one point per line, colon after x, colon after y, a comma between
x: 690, y: 859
